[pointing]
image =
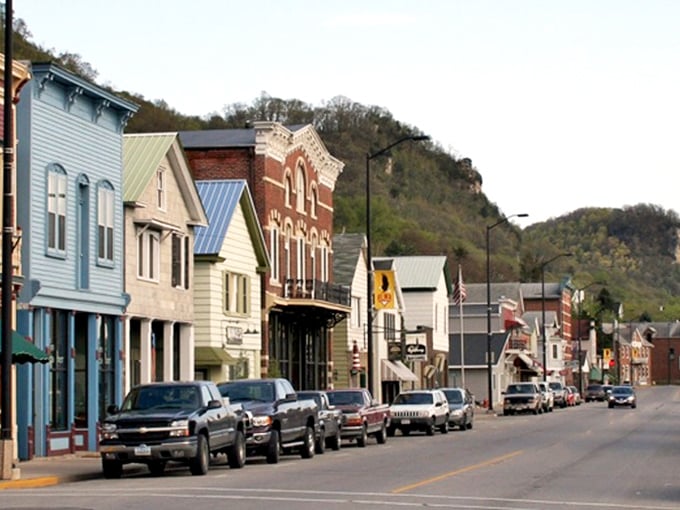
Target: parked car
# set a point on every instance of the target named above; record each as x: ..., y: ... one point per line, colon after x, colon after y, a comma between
x: 421, y: 410
x: 522, y: 397
x: 576, y: 395
x: 607, y: 388
x: 560, y: 393
x: 595, y: 392
x: 622, y: 396
x: 461, y: 407
x: 280, y: 421
x: 330, y: 420
x: 364, y: 416
x: 165, y: 422
x: 547, y: 396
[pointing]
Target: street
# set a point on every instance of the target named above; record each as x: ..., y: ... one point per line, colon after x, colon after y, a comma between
x: 584, y: 457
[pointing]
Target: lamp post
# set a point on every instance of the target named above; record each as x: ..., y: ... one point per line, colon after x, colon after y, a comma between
x: 580, y: 296
x: 369, y: 256
x: 488, y: 305
x: 545, y: 358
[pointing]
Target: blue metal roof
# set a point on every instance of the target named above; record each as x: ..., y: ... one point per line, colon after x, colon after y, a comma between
x: 220, y: 200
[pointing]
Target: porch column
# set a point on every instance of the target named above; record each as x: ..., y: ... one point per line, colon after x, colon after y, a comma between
x: 93, y: 361
x: 168, y: 351
x: 145, y: 351
x: 126, y: 366
x: 186, y: 352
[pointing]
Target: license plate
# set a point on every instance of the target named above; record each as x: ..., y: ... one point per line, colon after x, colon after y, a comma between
x: 405, y: 422
x: 142, y: 451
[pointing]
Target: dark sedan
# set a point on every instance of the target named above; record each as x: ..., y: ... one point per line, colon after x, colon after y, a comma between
x: 622, y: 396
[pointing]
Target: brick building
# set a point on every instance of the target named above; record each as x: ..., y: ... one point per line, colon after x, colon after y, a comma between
x: 291, y: 176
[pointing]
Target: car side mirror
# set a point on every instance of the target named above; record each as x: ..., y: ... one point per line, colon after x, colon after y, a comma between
x: 214, y: 404
x: 112, y: 409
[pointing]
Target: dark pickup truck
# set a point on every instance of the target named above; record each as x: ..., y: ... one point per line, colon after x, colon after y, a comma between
x: 166, y: 422
x: 279, y: 420
x: 363, y: 415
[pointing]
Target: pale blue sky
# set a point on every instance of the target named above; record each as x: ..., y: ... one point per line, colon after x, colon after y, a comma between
x: 559, y: 104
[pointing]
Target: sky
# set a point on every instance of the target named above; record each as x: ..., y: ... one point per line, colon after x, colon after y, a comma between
x: 560, y: 104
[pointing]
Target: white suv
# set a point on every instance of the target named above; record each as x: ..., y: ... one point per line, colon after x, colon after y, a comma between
x: 423, y: 410
x: 547, y: 397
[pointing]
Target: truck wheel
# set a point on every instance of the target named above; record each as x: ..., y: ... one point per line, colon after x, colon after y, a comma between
x: 307, y: 451
x: 320, y: 446
x: 112, y: 468
x: 156, y: 467
x: 199, y: 464
x: 236, y: 454
x: 381, y: 436
x: 430, y: 428
x: 335, y: 442
x: 273, y: 448
x: 363, y: 438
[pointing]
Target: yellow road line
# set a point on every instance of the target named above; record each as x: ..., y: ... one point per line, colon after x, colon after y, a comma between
x: 489, y: 462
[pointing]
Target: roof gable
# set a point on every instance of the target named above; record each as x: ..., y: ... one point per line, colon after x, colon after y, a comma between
x: 422, y: 272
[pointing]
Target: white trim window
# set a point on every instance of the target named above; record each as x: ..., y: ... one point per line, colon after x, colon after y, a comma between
x: 180, y: 261
x: 148, y: 255
x: 236, y: 293
x: 324, y: 263
x: 286, y: 251
x: 300, y: 185
x: 314, y: 202
x: 160, y: 188
x: 300, y: 259
x: 274, y: 253
x: 56, y: 211
x: 287, y: 190
x: 105, y: 213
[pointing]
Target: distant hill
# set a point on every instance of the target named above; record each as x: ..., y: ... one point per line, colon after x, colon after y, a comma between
x: 426, y: 201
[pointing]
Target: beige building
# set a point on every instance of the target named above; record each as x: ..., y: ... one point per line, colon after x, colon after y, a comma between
x: 162, y: 209
x: 230, y: 257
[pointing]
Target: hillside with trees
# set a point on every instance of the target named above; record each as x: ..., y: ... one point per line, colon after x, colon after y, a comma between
x: 426, y: 201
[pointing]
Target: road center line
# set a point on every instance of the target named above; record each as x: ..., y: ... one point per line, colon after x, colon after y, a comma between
x: 427, y: 481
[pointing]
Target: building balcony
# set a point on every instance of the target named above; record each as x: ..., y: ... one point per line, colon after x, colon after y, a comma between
x: 316, y: 290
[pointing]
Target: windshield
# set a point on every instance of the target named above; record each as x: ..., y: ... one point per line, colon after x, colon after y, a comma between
x: 413, y: 399
x: 520, y: 388
x: 556, y: 386
x: 345, y: 398
x: 161, y: 397
x: 259, y: 391
x: 454, y: 396
x: 622, y: 390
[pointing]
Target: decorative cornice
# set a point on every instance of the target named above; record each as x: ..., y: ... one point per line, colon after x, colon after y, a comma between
x: 71, y: 96
x: 99, y: 108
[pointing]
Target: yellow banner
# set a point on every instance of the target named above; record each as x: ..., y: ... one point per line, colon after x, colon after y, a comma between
x: 383, y: 289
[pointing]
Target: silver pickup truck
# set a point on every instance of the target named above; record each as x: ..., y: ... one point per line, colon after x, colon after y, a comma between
x: 524, y: 397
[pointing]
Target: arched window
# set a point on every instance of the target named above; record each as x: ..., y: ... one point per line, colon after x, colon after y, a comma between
x: 56, y: 210
x: 274, y: 252
x: 287, y: 190
x: 300, y: 186
x: 314, y: 202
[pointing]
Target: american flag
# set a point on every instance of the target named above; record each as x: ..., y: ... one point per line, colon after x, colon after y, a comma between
x: 459, y: 290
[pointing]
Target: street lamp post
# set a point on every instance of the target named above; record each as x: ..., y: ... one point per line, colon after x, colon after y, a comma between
x: 369, y: 256
x: 488, y: 306
x: 545, y: 358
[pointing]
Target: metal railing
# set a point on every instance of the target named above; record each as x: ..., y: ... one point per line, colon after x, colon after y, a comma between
x: 317, y: 290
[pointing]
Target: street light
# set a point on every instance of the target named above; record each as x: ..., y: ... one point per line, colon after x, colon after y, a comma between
x: 369, y: 264
x: 580, y: 297
x: 488, y: 305
x: 545, y: 360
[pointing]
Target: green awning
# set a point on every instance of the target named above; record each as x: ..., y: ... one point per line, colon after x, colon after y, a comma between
x: 595, y: 374
x: 24, y: 351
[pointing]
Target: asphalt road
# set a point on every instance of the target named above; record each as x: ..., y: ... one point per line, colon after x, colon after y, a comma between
x: 585, y: 457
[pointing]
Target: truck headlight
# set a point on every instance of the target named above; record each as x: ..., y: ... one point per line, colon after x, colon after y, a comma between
x: 262, y: 421
x: 180, y: 428
x: 109, y: 431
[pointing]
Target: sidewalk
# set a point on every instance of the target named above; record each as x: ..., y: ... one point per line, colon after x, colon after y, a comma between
x: 47, y: 471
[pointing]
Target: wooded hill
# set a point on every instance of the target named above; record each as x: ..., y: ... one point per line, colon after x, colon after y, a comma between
x: 427, y: 201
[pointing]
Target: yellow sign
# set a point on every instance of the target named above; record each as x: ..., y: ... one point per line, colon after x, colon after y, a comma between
x: 383, y: 289
x: 606, y: 355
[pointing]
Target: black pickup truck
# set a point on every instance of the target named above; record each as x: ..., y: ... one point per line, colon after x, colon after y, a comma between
x: 280, y: 421
x: 166, y: 422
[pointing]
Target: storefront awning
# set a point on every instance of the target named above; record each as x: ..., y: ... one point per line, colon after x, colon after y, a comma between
x: 396, y: 371
x: 595, y: 374
x: 530, y: 362
x: 24, y: 351
x: 212, y: 356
